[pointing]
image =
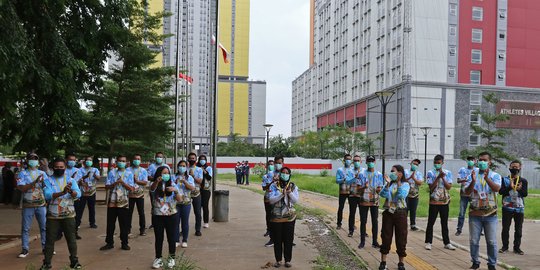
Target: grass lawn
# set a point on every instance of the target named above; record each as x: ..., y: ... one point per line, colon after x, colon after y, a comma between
x: 327, y: 185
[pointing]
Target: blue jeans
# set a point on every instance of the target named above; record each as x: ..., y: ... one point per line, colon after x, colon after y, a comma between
x: 463, y: 202
x: 27, y: 216
x: 182, y: 217
x: 489, y: 224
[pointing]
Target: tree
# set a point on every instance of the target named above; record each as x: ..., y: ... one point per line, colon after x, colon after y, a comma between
x: 279, y: 145
x: 132, y: 112
x: 492, y: 138
x: 239, y: 147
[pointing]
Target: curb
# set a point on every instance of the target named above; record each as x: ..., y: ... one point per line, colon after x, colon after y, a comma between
x: 16, y: 243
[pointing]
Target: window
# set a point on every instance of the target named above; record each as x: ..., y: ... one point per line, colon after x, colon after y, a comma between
x: 452, y: 50
x: 474, y: 118
x: 502, y: 14
x: 502, y: 35
x: 500, y: 76
x: 452, y: 29
x: 476, y: 76
x: 474, y: 140
x: 477, y: 35
x: 501, y: 55
x: 453, y: 9
x: 452, y: 72
x: 476, y: 98
x: 477, y: 14
x: 476, y: 56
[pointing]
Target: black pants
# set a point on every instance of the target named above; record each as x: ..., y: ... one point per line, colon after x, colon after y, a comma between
x: 283, y: 236
x: 53, y: 226
x: 374, y: 212
x: 238, y: 178
x: 507, y: 217
x: 140, y: 210
x: 83, y: 201
x: 268, y: 216
x: 8, y: 193
x: 246, y: 175
x: 161, y: 224
x: 205, y: 197
x: 412, y: 205
x: 123, y: 219
x: 342, y: 199
x: 196, y: 202
x: 434, y: 210
x: 353, y: 204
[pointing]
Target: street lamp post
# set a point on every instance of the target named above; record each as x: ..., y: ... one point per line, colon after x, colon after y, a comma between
x: 267, y: 127
x: 425, y: 131
x: 384, y: 97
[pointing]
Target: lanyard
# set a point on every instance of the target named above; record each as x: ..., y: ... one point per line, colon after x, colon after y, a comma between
x: 137, y: 173
x: 30, y: 172
x: 393, y: 191
x: 281, y: 189
x: 482, y: 181
x: 517, y: 181
x: 121, y: 177
x: 58, y: 184
x: 370, y: 178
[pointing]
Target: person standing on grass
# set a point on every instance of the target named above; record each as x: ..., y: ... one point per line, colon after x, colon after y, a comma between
x: 464, y: 173
x: 136, y: 197
x: 246, y: 172
x: 440, y: 182
x: 61, y: 191
x: 88, y: 178
x: 371, y: 183
x: 206, y: 187
x: 31, y: 183
x: 344, y: 178
x: 197, y: 174
x: 513, y: 190
x: 483, y: 186
x: 394, y: 217
x: 354, y: 192
x: 283, y: 196
x: 186, y: 184
x: 267, y: 180
x: 166, y: 196
x: 119, y: 184
x: 238, y: 170
x: 415, y: 179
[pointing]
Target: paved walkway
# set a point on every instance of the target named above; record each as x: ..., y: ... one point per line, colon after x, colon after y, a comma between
x: 237, y: 244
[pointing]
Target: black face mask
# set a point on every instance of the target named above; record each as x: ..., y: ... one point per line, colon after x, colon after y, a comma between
x: 191, y: 162
x: 58, y: 172
x: 514, y: 171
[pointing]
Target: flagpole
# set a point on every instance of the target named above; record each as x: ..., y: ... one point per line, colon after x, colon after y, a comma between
x: 176, y: 87
x: 214, y: 109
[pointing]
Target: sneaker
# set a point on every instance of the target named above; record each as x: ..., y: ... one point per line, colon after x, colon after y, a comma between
x: 171, y: 262
x: 184, y: 244
x: 491, y: 267
x: 288, y: 265
x: 350, y: 234
x: 23, y: 254
x: 158, y: 263
x: 518, y: 251
x: 77, y: 236
x: 503, y: 250
x: 206, y: 225
x: 177, y: 244
x: 106, y: 247
x: 414, y: 228
x: 75, y: 265
x: 151, y: 226
x: 142, y: 233
x: 93, y: 226
x: 482, y: 233
x: 338, y: 227
x: 382, y: 266
x: 428, y: 246
x: 269, y: 244
x: 125, y: 247
x: 198, y: 233
x: 266, y: 234
x: 401, y: 266
x: 361, y: 245
x: 450, y: 247
x: 458, y: 233
x: 375, y: 245
x: 475, y: 266
x: 277, y: 264
x: 46, y: 267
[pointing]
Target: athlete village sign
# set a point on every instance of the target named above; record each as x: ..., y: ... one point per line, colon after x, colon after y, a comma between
x: 523, y: 115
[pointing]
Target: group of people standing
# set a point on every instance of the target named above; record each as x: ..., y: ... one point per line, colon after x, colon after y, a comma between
x: 242, y: 172
x: 363, y: 187
x: 58, y: 201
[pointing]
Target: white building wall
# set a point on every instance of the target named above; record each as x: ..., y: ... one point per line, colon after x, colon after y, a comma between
x: 258, y: 111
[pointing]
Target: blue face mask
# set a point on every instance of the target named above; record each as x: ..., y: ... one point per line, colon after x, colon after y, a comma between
x: 182, y: 169
x: 285, y: 177
x: 88, y: 163
x: 348, y: 162
x: 203, y: 162
x: 470, y: 163
x: 136, y: 163
x: 437, y: 166
x: 371, y: 165
x: 393, y: 176
x: 483, y: 165
x: 159, y: 160
x: 121, y: 165
x: 279, y: 166
x: 271, y: 168
x: 71, y: 163
x: 414, y: 167
x: 166, y: 177
x: 357, y: 164
x: 33, y: 163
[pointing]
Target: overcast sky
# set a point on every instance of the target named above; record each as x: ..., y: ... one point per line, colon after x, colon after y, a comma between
x: 279, y: 50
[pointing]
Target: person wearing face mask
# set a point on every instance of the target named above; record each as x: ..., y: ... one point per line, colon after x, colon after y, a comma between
x: 354, y: 192
x: 88, y: 178
x: 119, y: 184
x: 186, y: 184
x: 246, y: 172
x: 197, y: 174
x: 513, y: 190
x: 238, y: 171
x: 370, y: 185
x: 267, y: 180
x: 464, y: 173
x: 483, y: 186
x: 271, y: 177
x: 136, y: 197
x: 283, y: 196
x: 164, y: 210
x: 344, y: 178
x: 61, y: 192
x: 415, y: 179
x: 440, y: 182
x: 30, y: 182
x: 206, y: 187
x: 159, y: 160
x: 394, y: 217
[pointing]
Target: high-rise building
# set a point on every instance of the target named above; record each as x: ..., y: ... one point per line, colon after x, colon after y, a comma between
x: 438, y: 57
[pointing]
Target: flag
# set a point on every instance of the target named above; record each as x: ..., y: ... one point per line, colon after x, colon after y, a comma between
x: 186, y: 78
x: 224, y: 52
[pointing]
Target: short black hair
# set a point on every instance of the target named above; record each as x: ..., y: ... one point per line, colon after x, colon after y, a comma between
x: 70, y: 155
x: 136, y: 155
x: 203, y: 156
x: 59, y: 159
x: 357, y: 156
x: 157, y: 153
x: 286, y: 168
x: 121, y: 156
x: 347, y: 155
x: 438, y: 157
x: 485, y: 154
x: 417, y: 160
x: 470, y: 157
x: 278, y: 157
x: 516, y: 161
x: 271, y: 160
x: 192, y: 154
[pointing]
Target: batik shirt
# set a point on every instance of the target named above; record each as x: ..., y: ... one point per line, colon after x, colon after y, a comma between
x: 282, y: 205
x: 33, y: 197
x: 414, y: 188
x: 344, y: 178
x: 196, y: 172
x: 140, y: 174
x: 483, y: 199
x: 369, y: 195
x: 164, y: 205
x: 64, y: 206
x: 354, y: 190
x: 88, y: 185
x: 439, y: 195
x: 513, y: 199
x: 464, y: 173
x: 396, y: 197
x: 183, y: 190
x: 118, y: 196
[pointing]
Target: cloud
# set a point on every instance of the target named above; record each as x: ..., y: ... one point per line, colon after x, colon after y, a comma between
x: 279, y: 50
